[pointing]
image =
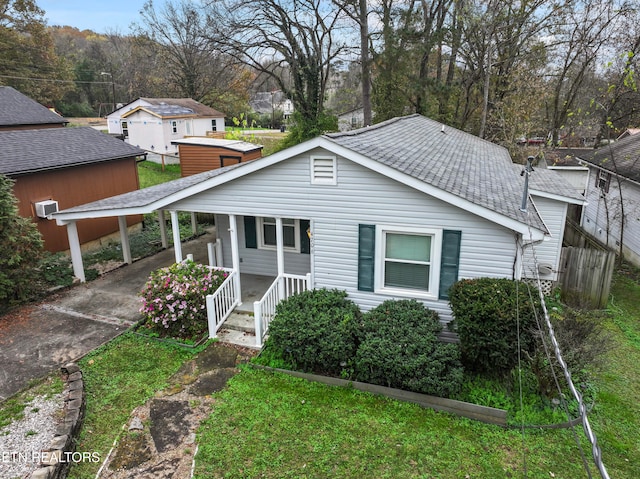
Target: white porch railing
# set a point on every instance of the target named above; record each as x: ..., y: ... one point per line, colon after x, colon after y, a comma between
x: 264, y: 310
x: 222, y: 303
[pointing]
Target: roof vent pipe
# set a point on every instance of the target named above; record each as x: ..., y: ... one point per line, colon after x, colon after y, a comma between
x: 525, y: 194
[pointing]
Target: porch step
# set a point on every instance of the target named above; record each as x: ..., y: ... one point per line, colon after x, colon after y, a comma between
x: 240, y: 322
x: 239, y: 329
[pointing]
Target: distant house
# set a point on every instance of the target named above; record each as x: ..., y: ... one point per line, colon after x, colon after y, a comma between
x: 204, y: 154
x: 19, y: 112
x: 614, y: 176
x: 57, y: 168
x: 153, y: 123
x: 268, y: 103
x: 351, y: 120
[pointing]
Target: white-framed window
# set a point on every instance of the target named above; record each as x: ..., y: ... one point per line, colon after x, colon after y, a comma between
x: 408, y: 261
x: 603, y: 179
x: 290, y: 234
x: 323, y: 170
x: 125, y: 129
x: 214, y: 125
x: 174, y: 126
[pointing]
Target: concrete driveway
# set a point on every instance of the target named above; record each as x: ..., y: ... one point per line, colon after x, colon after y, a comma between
x: 39, y: 338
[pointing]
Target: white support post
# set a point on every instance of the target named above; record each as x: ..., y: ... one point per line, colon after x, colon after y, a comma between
x: 175, y: 227
x: 76, y: 253
x: 194, y: 223
x: 309, y: 282
x: 124, y: 240
x: 211, y: 316
x: 280, y: 258
x: 163, y: 229
x: 235, y: 255
x: 257, y: 314
x: 211, y: 254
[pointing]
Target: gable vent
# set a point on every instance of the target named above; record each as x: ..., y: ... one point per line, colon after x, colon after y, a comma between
x: 323, y: 170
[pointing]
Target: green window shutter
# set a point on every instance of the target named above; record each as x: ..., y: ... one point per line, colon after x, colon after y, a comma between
x: 250, y: 232
x: 449, y: 262
x: 305, y: 242
x: 366, y: 257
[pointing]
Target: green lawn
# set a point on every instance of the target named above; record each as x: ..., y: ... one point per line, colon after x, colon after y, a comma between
x: 274, y: 426
x: 150, y: 173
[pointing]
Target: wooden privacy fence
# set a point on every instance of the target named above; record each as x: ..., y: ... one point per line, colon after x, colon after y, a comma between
x: 585, y: 276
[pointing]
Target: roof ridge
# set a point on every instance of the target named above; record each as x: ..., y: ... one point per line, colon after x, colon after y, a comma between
x: 369, y: 128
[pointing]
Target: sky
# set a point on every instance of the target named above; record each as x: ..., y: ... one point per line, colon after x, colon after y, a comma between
x: 97, y: 15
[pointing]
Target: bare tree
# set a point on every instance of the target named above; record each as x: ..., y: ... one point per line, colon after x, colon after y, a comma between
x: 181, y: 31
x: 301, y: 37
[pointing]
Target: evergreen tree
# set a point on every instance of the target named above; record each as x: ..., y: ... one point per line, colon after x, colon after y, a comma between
x: 21, y: 249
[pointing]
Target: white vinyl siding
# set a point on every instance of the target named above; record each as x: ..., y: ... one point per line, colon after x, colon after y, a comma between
x: 362, y: 196
x: 546, y: 252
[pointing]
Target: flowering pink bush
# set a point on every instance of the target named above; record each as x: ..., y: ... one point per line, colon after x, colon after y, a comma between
x: 173, y: 300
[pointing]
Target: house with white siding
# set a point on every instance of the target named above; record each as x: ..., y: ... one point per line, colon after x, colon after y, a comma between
x: 612, y: 213
x: 153, y: 123
x: 401, y: 209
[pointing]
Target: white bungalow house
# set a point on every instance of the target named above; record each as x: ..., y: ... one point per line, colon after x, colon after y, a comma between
x: 401, y: 209
x: 153, y: 123
x: 613, y: 196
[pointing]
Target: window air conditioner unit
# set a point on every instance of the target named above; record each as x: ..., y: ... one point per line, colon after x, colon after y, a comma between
x: 46, y: 208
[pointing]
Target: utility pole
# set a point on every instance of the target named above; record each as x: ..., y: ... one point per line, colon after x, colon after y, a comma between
x: 113, y: 89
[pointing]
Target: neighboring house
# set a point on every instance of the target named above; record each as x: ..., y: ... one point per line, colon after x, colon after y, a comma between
x: 614, y: 188
x: 57, y: 168
x: 268, y: 102
x: 19, y: 112
x: 401, y: 209
x: 351, y: 120
x: 628, y: 132
x: 204, y: 154
x: 153, y: 123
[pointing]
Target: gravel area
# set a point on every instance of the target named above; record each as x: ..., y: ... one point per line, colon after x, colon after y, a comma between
x: 22, y: 440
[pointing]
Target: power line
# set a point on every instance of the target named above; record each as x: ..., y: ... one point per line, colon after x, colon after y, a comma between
x: 55, y: 80
x: 595, y: 448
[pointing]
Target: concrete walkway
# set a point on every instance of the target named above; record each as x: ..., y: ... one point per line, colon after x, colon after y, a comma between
x: 39, y: 338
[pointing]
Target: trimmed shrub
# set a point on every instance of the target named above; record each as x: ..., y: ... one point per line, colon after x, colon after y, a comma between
x: 486, y: 312
x: 315, y: 331
x: 400, y: 348
x: 174, y: 299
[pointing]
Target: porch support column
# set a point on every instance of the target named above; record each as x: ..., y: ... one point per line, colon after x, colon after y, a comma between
x: 124, y: 240
x: 175, y: 227
x: 76, y: 253
x: 163, y: 229
x: 235, y: 254
x: 194, y: 223
x: 280, y: 257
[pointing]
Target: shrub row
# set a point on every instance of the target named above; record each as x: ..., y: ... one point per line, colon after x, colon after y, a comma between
x: 394, y: 345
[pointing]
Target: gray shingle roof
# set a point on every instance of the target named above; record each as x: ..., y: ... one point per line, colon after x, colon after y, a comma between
x: 17, y: 109
x: 28, y: 151
x: 451, y: 160
x: 621, y: 157
x: 147, y: 196
x: 198, y: 108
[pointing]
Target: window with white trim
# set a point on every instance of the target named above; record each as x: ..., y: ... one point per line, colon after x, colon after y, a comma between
x: 290, y: 233
x: 408, y: 261
x: 125, y: 129
x: 323, y: 170
x: 214, y: 125
x: 174, y: 126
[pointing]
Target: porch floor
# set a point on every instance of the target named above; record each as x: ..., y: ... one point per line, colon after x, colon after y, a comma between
x: 253, y: 288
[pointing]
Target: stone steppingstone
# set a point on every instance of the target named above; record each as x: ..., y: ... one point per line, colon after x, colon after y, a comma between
x: 169, y: 424
x: 75, y: 376
x: 216, y: 356
x: 75, y: 385
x: 211, y: 382
x: 43, y: 473
x: 70, y: 368
x: 59, y: 442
